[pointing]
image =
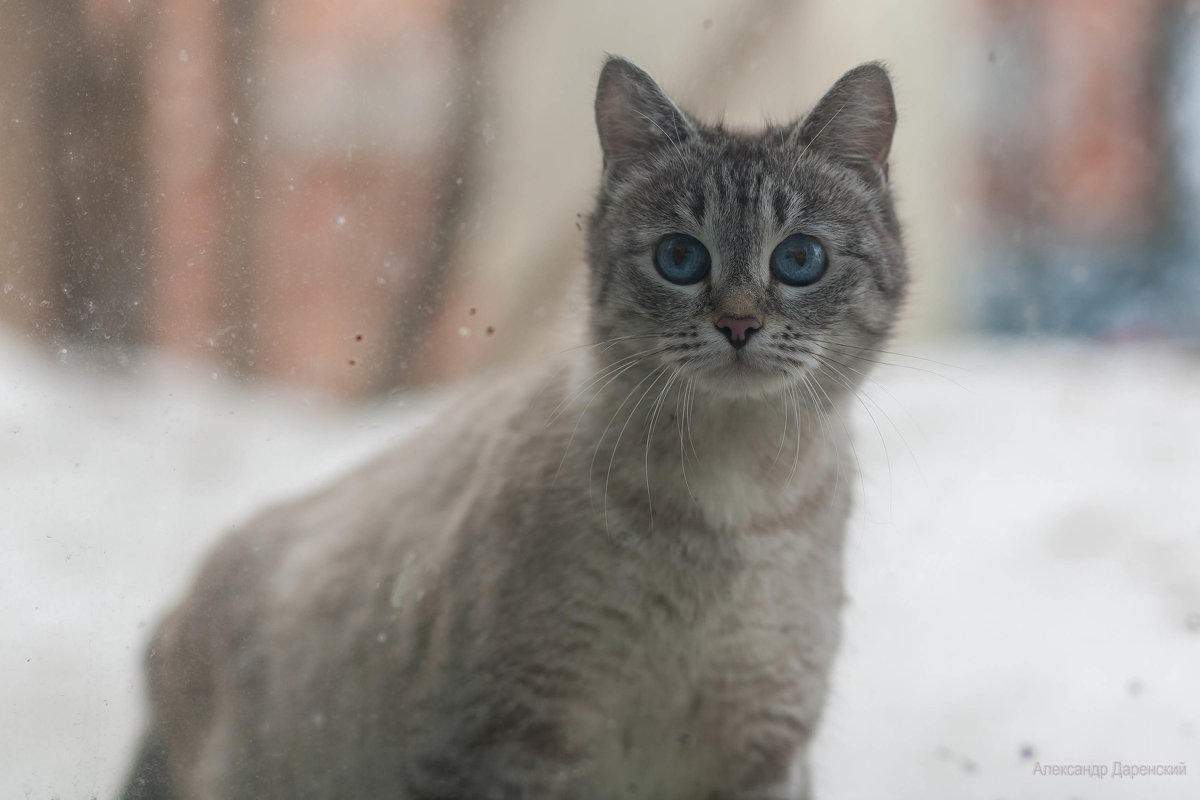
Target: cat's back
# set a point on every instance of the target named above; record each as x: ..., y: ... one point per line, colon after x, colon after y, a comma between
x: 294, y: 553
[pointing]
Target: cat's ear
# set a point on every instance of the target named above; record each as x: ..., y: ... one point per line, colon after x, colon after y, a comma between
x: 633, y: 115
x: 853, y: 123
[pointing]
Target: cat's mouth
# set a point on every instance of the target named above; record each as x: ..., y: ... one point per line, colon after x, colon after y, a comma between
x: 746, y: 374
x: 740, y: 363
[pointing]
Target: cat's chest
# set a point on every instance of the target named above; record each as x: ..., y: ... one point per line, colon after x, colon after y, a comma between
x: 706, y: 607
x: 694, y: 599
x: 713, y: 661
x: 731, y: 500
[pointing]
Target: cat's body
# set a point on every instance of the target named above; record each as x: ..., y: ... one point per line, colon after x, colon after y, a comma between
x: 616, y: 576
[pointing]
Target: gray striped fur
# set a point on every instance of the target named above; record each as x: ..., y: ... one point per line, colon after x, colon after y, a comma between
x: 616, y: 575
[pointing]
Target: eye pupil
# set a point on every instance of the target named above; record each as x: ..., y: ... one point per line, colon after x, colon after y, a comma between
x: 678, y: 254
x: 799, y: 256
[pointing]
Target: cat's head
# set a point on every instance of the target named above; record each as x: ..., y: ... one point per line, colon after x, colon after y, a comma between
x: 749, y: 262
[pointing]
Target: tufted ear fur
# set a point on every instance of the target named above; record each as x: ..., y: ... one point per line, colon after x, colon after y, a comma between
x: 633, y: 115
x: 853, y: 123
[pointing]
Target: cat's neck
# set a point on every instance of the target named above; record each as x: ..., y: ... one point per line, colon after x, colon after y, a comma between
x: 737, y: 458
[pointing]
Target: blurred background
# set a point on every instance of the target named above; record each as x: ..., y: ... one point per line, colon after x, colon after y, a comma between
x: 239, y: 239
x: 378, y: 194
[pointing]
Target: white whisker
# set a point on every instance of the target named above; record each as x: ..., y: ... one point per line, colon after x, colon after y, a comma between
x: 863, y: 395
x: 839, y: 376
x: 658, y: 372
x: 655, y: 409
x: 831, y: 437
x: 611, y: 419
x: 838, y: 345
x: 598, y: 376
x: 582, y: 413
x: 783, y: 434
x: 681, y: 421
x: 795, y: 400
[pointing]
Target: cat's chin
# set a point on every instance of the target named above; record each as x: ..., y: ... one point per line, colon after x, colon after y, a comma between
x: 739, y: 380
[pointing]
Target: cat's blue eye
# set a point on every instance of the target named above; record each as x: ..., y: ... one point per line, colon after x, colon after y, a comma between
x: 799, y: 260
x: 682, y: 259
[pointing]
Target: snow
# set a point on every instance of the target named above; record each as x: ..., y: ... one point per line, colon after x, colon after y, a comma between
x: 1031, y: 597
x: 1024, y: 565
x: 113, y: 490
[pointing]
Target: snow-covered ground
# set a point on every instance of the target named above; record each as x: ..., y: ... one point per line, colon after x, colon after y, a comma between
x: 1024, y: 564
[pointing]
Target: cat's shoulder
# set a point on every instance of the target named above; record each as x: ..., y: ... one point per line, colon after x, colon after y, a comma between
x: 406, y: 482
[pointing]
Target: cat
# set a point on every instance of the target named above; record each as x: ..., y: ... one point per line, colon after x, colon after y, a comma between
x: 616, y: 575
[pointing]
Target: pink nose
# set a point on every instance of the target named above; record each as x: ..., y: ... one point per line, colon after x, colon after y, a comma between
x: 738, y: 329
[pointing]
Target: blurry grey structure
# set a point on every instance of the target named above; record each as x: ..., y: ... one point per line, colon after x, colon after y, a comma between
x: 1090, y: 119
x: 1182, y: 273
x: 74, y: 218
x: 391, y: 193
x: 267, y: 194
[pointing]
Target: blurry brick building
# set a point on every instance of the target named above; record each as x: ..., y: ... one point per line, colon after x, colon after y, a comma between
x: 302, y: 158
x: 1082, y: 168
x: 383, y: 193
x: 265, y: 188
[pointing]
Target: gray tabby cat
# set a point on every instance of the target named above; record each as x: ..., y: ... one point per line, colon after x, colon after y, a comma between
x: 618, y: 576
